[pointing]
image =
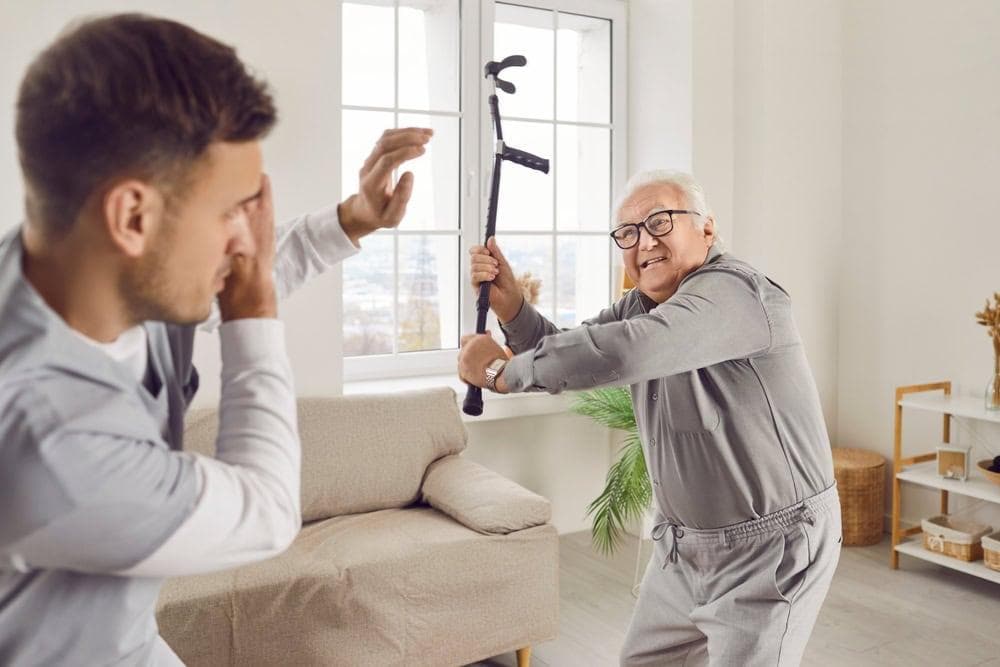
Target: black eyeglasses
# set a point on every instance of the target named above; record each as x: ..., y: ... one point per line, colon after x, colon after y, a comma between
x: 659, y: 223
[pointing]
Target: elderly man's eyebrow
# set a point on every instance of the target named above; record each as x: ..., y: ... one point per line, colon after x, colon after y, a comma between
x: 656, y: 209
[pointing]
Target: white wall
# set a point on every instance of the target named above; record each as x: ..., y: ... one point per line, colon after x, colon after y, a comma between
x: 767, y: 136
x: 294, y: 47
x: 921, y: 209
x: 713, y: 93
x: 659, y: 85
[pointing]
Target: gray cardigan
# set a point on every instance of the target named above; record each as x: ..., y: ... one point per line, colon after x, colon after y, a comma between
x: 726, y: 404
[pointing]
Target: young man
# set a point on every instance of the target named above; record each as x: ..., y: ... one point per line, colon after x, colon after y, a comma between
x: 139, y: 142
x: 748, y: 535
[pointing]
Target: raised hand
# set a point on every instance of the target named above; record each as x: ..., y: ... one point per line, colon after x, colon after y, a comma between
x: 378, y: 204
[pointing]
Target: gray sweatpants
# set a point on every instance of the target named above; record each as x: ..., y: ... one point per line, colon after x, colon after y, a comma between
x: 744, y: 595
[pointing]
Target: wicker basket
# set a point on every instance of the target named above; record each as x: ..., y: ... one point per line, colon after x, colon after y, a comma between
x: 860, y: 478
x: 991, y: 551
x: 954, y: 537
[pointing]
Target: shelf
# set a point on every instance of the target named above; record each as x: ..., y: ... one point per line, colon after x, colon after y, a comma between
x: 957, y: 406
x: 976, y: 486
x: 914, y: 547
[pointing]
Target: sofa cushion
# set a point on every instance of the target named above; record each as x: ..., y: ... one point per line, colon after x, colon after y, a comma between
x: 481, y: 499
x: 361, y: 453
x: 395, y: 587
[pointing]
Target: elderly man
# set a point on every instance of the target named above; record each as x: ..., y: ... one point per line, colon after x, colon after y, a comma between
x: 139, y: 140
x: 748, y: 531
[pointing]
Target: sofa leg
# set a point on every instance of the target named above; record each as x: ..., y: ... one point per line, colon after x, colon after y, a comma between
x: 524, y: 657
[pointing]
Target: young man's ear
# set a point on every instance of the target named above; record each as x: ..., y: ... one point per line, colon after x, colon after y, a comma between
x: 132, y: 210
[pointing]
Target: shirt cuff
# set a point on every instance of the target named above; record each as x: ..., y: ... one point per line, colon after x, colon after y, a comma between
x: 250, y: 340
x: 518, y: 374
x: 327, y: 236
x: 522, y: 325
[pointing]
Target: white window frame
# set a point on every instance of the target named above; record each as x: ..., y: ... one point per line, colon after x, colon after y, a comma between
x: 476, y: 158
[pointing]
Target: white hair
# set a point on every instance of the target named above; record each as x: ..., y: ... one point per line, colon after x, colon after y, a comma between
x: 683, y: 182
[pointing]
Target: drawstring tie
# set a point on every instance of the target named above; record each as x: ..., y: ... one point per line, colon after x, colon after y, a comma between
x: 676, y: 532
x: 807, y: 515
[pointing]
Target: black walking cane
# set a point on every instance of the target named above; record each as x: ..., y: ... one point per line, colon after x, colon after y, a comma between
x: 474, y: 397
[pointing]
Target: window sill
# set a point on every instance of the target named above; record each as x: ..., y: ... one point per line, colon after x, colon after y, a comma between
x: 495, y: 406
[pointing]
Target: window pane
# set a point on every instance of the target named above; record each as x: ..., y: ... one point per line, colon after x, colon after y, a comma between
x: 583, y: 69
x: 429, y: 54
x: 526, y: 32
x: 359, y: 132
x: 525, y: 194
x: 367, y: 42
x: 368, y: 294
x: 532, y: 254
x: 584, y: 278
x: 434, y: 203
x: 428, y: 293
x: 583, y: 177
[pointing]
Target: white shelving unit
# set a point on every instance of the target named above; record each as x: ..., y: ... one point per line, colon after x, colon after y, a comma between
x: 958, y: 406
x: 922, y: 470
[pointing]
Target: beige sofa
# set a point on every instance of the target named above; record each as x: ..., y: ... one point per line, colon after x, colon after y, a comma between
x: 409, y: 554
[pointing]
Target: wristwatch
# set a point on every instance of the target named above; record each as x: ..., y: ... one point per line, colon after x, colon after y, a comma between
x: 493, y: 371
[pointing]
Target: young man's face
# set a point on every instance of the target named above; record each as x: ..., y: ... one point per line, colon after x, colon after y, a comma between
x: 189, y: 257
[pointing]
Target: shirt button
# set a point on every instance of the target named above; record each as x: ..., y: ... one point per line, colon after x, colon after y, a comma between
x: 654, y: 396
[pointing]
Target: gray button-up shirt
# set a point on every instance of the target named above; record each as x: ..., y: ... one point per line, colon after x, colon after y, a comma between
x: 726, y: 404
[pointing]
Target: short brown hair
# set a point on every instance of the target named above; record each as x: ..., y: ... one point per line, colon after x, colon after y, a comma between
x: 128, y: 95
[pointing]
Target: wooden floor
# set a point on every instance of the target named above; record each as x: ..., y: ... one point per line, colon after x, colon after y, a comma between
x: 921, y: 614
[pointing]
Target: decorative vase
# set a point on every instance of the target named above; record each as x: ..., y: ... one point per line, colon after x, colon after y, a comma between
x: 992, y: 394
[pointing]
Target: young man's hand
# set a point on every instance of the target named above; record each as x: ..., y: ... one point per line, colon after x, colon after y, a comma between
x: 378, y: 204
x: 249, y: 290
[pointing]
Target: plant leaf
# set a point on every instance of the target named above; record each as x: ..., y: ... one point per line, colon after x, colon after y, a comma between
x: 626, y: 495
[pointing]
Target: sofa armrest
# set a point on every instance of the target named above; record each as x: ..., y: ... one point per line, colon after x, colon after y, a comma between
x: 480, y: 499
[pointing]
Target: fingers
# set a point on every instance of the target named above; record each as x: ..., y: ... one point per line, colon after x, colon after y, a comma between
x: 265, y: 212
x: 259, y: 216
x: 400, y: 197
x: 382, y: 169
x: 481, y: 257
x: 483, y: 262
x: 393, y: 140
x: 480, y: 277
x: 482, y: 266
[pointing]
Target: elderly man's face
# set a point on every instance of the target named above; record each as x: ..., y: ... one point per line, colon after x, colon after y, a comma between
x: 657, y: 265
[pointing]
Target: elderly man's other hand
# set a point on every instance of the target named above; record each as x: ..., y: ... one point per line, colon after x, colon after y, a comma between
x: 479, y: 351
x: 378, y: 204
x: 488, y: 263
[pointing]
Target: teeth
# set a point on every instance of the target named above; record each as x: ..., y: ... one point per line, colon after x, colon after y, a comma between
x: 652, y: 261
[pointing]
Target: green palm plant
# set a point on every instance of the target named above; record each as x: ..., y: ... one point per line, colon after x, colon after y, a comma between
x: 627, y: 492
